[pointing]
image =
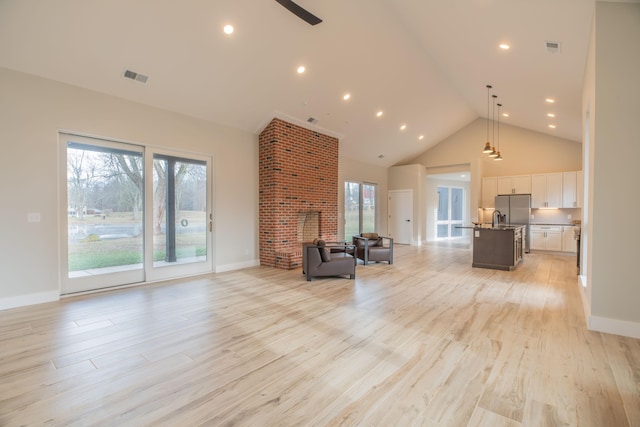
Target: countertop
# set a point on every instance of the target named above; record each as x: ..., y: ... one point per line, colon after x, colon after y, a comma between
x: 555, y: 225
x: 490, y: 227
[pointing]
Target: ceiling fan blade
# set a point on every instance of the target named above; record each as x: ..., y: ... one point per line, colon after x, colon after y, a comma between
x: 300, y: 12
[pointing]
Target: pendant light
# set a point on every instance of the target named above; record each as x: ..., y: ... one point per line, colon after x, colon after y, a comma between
x: 499, y: 156
x: 493, y: 153
x: 487, y: 146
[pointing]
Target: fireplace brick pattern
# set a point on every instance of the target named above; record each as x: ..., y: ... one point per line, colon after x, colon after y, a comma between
x: 298, y: 173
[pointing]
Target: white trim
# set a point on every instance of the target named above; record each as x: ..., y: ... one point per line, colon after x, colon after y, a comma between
x: 237, y: 265
x: 614, y: 326
x: 275, y: 114
x: 582, y: 282
x: 605, y: 324
x: 29, y: 299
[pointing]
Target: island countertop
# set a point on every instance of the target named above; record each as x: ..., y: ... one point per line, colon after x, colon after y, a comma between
x: 501, y: 227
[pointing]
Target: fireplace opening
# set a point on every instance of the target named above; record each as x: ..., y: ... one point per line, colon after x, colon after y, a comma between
x: 308, y: 226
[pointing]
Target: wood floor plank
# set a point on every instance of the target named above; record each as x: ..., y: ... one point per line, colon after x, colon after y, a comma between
x: 428, y: 340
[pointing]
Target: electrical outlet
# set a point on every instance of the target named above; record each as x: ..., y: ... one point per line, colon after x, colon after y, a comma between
x: 569, y: 216
x: 533, y: 216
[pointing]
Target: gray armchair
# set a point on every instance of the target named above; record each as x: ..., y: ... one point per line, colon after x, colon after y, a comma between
x: 372, y: 247
x: 321, y: 261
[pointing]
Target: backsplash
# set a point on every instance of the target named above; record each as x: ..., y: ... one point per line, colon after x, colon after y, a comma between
x: 555, y: 216
x: 540, y: 216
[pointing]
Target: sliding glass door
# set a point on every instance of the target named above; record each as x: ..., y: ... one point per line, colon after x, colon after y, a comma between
x: 132, y: 214
x: 181, y: 219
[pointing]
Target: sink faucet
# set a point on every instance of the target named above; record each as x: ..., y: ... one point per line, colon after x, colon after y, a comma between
x: 493, y: 218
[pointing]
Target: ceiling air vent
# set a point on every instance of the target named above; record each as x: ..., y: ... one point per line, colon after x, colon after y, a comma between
x: 128, y: 74
x: 552, y: 47
x: 312, y: 120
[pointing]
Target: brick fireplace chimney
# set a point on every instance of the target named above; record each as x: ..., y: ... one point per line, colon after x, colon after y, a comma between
x: 298, y: 182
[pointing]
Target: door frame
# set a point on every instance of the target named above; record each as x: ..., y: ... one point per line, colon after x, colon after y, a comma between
x: 147, y: 273
x: 153, y: 273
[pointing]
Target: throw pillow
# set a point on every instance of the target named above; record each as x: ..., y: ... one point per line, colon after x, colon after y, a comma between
x: 372, y: 236
x: 325, y: 254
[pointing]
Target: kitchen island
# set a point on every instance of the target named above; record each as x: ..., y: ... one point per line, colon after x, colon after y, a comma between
x: 499, y: 247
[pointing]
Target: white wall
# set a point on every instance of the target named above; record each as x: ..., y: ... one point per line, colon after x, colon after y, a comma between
x: 412, y: 177
x: 33, y: 110
x: 524, y: 152
x: 352, y: 170
x: 614, y: 200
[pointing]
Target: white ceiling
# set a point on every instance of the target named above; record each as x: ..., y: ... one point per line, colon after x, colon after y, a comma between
x: 424, y: 63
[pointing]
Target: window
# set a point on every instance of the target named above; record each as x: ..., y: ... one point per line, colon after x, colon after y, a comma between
x: 450, y: 212
x: 359, y: 208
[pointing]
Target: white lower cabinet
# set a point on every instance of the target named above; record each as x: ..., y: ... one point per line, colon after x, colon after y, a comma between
x: 546, y: 238
x: 568, y: 240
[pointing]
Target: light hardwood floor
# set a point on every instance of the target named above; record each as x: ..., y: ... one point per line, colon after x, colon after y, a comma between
x: 428, y: 341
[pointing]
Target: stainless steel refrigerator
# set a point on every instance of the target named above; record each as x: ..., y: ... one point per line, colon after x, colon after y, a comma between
x: 515, y: 209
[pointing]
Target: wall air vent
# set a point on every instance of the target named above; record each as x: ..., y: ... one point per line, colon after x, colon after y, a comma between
x: 552, y: 47
x: 312, y: 120
x: 128, y: 74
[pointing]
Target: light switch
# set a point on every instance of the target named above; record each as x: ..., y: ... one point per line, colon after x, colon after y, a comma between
x: 33, y: 217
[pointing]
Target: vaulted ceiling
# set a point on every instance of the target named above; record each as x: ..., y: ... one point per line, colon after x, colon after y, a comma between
x: 423, y: 63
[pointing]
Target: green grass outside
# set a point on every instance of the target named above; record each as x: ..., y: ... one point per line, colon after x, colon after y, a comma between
x: 115, y: 252
x: 351, y: 223
x: 94, y: 253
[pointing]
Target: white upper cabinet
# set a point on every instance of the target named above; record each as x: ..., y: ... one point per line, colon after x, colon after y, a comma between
x: 546, y: 190
x: 569, y: 190
x: 489, y: 191
x: 518, y: 184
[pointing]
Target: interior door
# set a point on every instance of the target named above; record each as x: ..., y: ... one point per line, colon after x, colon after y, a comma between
x: 401, y: 216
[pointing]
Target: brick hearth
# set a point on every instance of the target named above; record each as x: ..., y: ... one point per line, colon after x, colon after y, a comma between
x: 298, y: 174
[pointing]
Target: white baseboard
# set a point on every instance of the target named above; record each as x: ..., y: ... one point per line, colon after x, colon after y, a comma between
x: 237, y: 266
x: 614, y: 326
x: 605, y: 324
x: 29, y: 299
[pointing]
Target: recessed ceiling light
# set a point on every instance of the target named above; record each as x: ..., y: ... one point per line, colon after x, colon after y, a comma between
x: 346, y: 96
x: 301, y: 69
x: 550, y: 115
x: 504, y: 46
x: 549, y: 100
x: 421, y: 137
x: 403, y: 127
x: 381, y: 156
x: 379, y: 114
x: 552, y: 126
x: 505, y: 114
x: 228, y: 29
